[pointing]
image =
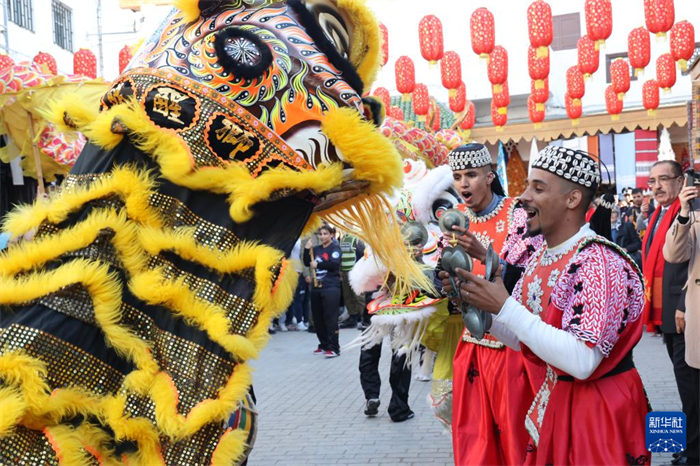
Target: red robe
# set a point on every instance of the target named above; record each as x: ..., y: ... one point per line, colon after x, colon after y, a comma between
x: 491, y: 389
x: 595, y: 293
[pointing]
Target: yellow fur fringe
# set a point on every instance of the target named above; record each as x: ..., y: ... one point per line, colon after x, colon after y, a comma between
x: 366, y: 47
x: 188, y: 8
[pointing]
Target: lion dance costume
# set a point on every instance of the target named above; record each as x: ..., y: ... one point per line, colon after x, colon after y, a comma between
x: 153, y: 276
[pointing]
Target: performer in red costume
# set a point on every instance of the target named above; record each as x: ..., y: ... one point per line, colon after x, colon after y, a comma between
x: 487, y: 425
x: 576, y: 313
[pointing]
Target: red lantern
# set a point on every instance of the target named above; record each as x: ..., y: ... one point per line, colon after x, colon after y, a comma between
x: 499, y: 119
x: 498, y: 67
x: 539, y: 91
x: 469, y: 117
x: 383, y: 95
x: 639, y: 49
x: 598, y: 20
x: 587, y: 56
x: 43, y: 58
x: 125, y: 57
x: 650, y: 96
x: 459, y: 100
x: 620, y: 77
x: 665, y: 72
x: 483, y: 32
x: 451, y: 71
x: 539, y: 26
x: 421, y: 101
x: 405, y: 76
x: 682, y: 43
x: 501, y: 98
x: 575, y: 86
x: 659, y: 16
x: 612, y: 103
x: 85, y: 63
x: 573, y: 108
x: 6, y: 61
x: 535, y: 113
x: 538, y: 67
x: 385, y: 43
x: 396, y: 113
x: 430, y: 36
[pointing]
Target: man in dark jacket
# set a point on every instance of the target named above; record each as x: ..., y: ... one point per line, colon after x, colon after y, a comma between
x: 625, y: 236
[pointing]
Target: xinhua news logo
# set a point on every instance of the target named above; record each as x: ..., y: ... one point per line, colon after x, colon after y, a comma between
x: 665, y: 432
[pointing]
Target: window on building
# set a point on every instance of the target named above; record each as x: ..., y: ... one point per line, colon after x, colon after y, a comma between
x: 20, y: 13
x: 611, y: 58
x: 62, y: 25
x: 567, y: 31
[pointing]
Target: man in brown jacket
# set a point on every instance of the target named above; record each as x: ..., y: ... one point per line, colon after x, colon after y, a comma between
x: 682, y: 245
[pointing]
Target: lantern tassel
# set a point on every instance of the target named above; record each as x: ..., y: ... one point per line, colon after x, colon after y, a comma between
x: 574, y: 122
x: 452, y: 93
x: 405, y: 97
x: 539, y: 107
x: 587, y: 77
x: 499, y: 129
x: 542, y: 52
x: 539, y: 84
x: 683, y: 64
x: 421, y: 118
x: 615, y: 117
x: 502, y: 110
x: 651, y: 112
x: 466, y: 133
x: 576, y: 102
x: 620, y: 96
x: 638, y: 72
x: 538, y: 125
x: 497, y: 88
x: 484, y: 57
x: 660, y: 37
x: 667, y: 90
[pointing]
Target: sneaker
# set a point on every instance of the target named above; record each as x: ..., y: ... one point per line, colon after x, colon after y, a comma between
x: 372, y: 407
x: 318, y: 351
x: 423, y: 378
x: 272, y: 330
x: 410, y: 415
x: 362, y: 326
x: 302, y: 327
x: 350, y: 322
x: 331, y: 354
x: 283, y: 327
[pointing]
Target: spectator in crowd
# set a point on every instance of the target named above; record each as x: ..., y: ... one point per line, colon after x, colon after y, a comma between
x: 625, y: 236
x: 682, y: 247
x: 352, y: 250
x: 324, y: 261
x: 640, y: 210
x: 296, y: 309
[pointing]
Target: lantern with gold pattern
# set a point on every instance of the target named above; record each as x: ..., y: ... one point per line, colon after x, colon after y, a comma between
x: 650, y: 96
x: 573, y: 108
x: 535, y: 112
x: 612, y: 103
x: 405, y: 76
x: 575, y: 86
x: 682, y: 43
x: 539, y: 26
x: 498, y: 67
x: 430, y: 37
x: 666, y: 72
x: 385, y: 43
x: 659, y: 16
x: 85, y: 63
x: 459, y: 99
x: 451, y: 72
x: 588, y: 56
x: 483, y: 32
x: 383, y: 94
x: 620, y: 77
x: 598, y: 20
x: 421, y: 101
x: 499, y: 119
x: 539, y: 93
x: 639, y: 49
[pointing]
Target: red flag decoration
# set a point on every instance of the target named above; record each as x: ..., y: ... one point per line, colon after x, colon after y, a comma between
x: 539, y: 26
x: 575, y: 86
x: 620, y: 77
x: 498, y: 67
x: 396, y: 113
x: 659, y: 16
x: 536, y: 114
x: 499, y: 119
x: 587, y: 56
x: 598, y: 20
x: 682, y: 43
x: 573, y: 109
x: 469, y: 117
x: 430, y: 37
x: 459, y: 100
x: 666, y: 72
x: 501, y: 98
x: 650, y: 96
x: 405, y: 76
x: 125, y: 57
x: 639, y: 49
x: 451, y: 72
x: 43, y: 58
x: 6, y: 61
x: 85, y: 63
x: 539, y: 94
x: 483, y: 32
x: 612, y: 103
x: 421, y: 101
x: 385, y: 43
x: 384, y: 96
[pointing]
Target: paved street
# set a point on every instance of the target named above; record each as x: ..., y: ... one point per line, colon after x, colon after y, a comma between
x: 311, y: 408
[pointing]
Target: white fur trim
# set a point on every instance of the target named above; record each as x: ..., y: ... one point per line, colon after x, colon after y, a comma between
x: 367, y: 274
x: 430, y: 187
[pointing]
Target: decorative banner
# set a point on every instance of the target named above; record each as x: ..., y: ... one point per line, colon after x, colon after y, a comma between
x: 501, y: 98
x: 598, y: 20
x: 659, y: 16
x: 682, y: 43
x: 396, y: 113
x: 421, y: 101
x: 85, y: 63
x: 537, y: 67
x: 385, y: 43
x: 666, y: 72
x: 575, y: 86
x: 573, y: 108
x: 43, y: 58
x: 650, y: 96
x: 405, y: 76
x: 501, y: 167
x: 125, y: 57
x: 639, y: 49
x: 612, y: 103
x: 625, y: 160
x: 516, y: 173
x: 483, y: 32
x: 536, y: 114
x: 384, y: 96
x: 498, y: 66
x: 539, y: 26
x: 620, y: 77
x: 588, y: 56
x: 451, y: 72
x: 646, y: 153
x: 539, y: 90
x: 459, y: 100
x: 430, y: 37
x: 499, y: 119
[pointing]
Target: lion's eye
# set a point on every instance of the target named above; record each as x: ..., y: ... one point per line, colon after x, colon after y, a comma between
x: 332, y: 24
x: 242, y: 53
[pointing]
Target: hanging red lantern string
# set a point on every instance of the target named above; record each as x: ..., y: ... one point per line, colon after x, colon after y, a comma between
x: 405, y: 76
x: 498, y: 67
x: 659, y: 16
x: 541, y: 94
x: 421, y: 101
x: 536, y: 114
x: 665, y: 72
x: 499, y: 119
x: 537, y: 67
x: 125, y: 57
x: 539, y: 26
x: 483, y: 32
x: 598, y: 21
x: 451, y: 72
x: 384, y: 96
x: 573, y: 110
x: 501, y: 98
x: 385, y: 43
x: 620, y: 77
x: 650, y: 96
x: 396, y: 113
x: 612, y: 103
x: 639, y: 49
x: 575, y: 86
x: 682, y: 43
x: 85, y: 63
x: 469, y: 117
x: 588, y: 57
x: 459, y: 100
x: 430, y: 37
x: 44, y: 58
